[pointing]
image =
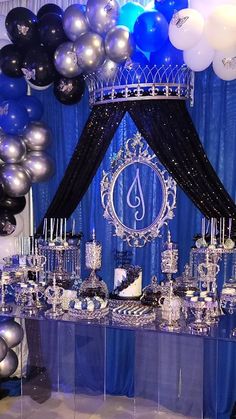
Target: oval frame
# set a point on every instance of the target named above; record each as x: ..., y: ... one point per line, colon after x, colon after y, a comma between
x: 135, y: 151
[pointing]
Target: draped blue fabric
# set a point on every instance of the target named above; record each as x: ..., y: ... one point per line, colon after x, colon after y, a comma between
x: 214, y: 115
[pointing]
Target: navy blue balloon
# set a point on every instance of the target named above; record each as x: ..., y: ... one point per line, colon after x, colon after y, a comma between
x: 11, y: 87
x: 169, y: 7
x: 33, y: 106
x: 151, y: 31
x: 13, y: 117
x: 167, y: 55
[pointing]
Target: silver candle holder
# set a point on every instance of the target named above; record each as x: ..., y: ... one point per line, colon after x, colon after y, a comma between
x: 93, y: 254
x: 169, y: 258
x: 93, y: 261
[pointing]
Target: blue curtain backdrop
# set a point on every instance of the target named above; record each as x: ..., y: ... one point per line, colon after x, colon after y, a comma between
x: 214, y: 115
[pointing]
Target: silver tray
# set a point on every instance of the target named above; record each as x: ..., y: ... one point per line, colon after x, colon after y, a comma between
x: 89, y: 315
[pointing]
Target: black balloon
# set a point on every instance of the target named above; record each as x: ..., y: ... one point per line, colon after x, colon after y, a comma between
x: 49, y: 8
x: 69, y: 91
x: 13, y: 205
x: 51, y: 31
x: 11, y: 59
x: 21, y: 25
x: 38, y: 67
x: 7, y: 223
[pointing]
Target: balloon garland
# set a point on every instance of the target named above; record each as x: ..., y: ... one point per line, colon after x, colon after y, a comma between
x: 23, y: 137
x: 11, y: 334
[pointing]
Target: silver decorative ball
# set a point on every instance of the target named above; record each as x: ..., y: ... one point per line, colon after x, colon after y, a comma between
x: 108, y: 70
x: 90, y: 51
x: 102, y: 14
x: 75, y: 23
x: 37, y: 136
x: 12, y: 148
x: 3, y: 349
x: 11, y: 332
x: 9, y: 364
x: 119, y: 44
x: 16, y: 180
x: 65, y: 60
x: 39, y: 165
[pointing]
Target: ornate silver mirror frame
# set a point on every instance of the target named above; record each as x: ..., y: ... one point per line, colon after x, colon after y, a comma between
x: 136, y: 151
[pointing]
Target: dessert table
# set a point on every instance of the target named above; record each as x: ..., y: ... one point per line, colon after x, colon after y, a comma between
x: 83, y: 363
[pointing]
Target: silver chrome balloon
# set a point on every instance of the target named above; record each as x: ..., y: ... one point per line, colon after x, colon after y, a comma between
x: 102, y: 14
x: 75, y: 23
x: 65, y: 60
x: 3, y: 349
x: 9, y: 364
x: 37, y: 136
x: 90, y: 51
x: 16, y: 180
x: 108, y: 70
x: 12, y: 148
x: 39, y: 165
x: 11, y: 332
x: 119, y: 44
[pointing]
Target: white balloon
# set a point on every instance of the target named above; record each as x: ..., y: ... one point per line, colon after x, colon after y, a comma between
x: 200, y: 56
x: 19, y: 225
x: 4, y: 42
x: 206, y: 7
x: 150, y: 5
x: 3, y: 31
x: 186, y: 28
x: 224, y: 64
x: 7, y: 247
x: 220, y: 27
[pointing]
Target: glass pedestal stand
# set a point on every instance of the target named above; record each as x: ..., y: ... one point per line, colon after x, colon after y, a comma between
x: 54, y: 295
x: 93, y: 286
x: 5, y: 280
x: 29, y: 308
x: 171, y: 307
x: 202, y: 312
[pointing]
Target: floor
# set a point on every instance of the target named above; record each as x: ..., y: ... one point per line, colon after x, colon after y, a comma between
x: 61, y: 406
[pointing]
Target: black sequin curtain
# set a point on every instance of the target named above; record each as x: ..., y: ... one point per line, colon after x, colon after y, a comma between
x: 89, y: 152
x: 167, y: 127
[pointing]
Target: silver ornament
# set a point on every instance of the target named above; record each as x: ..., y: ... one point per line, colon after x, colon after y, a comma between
x: 15, y: 179
x: 65, y: 60
x: 74, y: 22
x: 3, y: 349
x: 12, y: 148
x: 9, y: 364
x: 119, y: 44
x: 11, y: 332
x: 39, y: 165
x: 108, y: 70
x: 102, y: 14
x: 37, y: 136
x: 90, y: 51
